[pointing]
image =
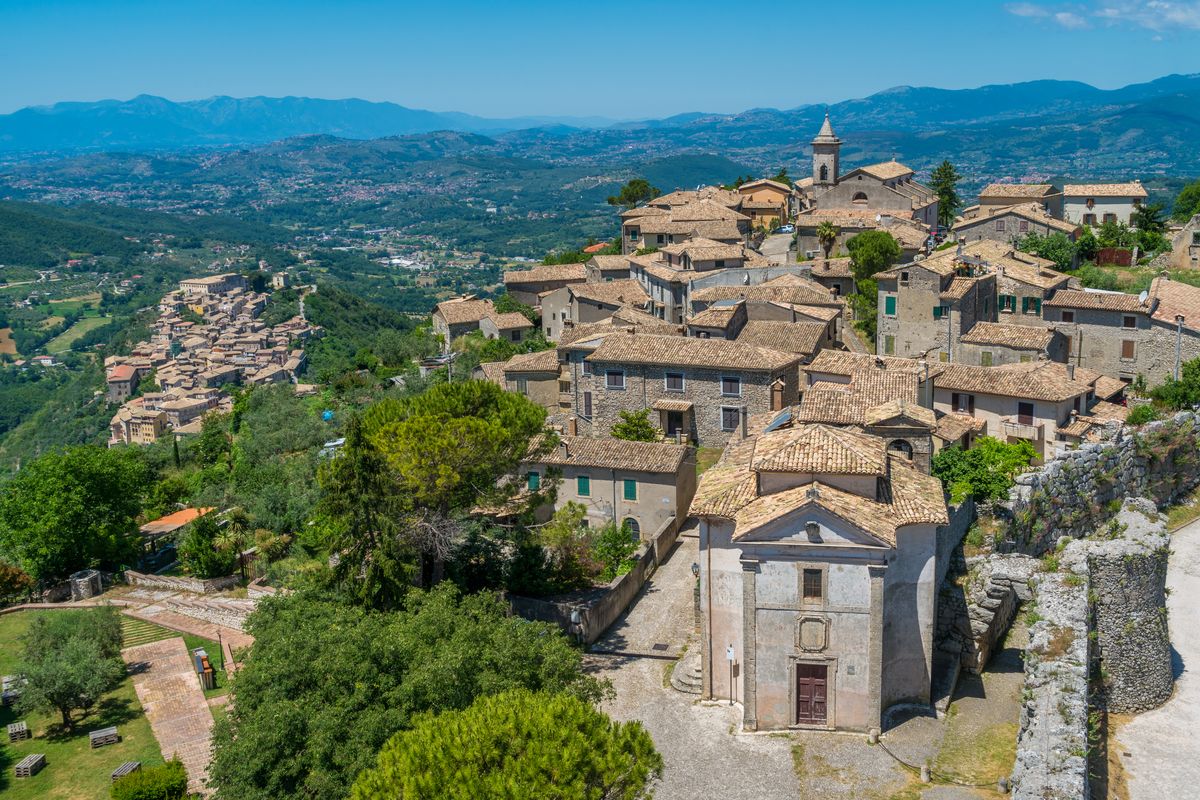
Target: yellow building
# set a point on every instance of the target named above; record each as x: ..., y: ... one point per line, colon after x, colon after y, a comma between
x: 768, y: 203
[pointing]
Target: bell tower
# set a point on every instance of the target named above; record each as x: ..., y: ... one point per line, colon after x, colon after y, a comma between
x: 826, y: 148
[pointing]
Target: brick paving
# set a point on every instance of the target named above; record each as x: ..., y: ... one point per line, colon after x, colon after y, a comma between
x: 175, y: 706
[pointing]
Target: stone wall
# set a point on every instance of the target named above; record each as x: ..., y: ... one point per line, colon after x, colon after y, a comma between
x: 230, y: 613
x: 177, y: 583
x: 974, y: 612
x: 1052, y: 743
x: 1077, y: 492
x: 949, y: 537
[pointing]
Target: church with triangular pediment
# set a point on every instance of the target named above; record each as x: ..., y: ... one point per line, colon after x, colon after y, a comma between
x: 818, y: 549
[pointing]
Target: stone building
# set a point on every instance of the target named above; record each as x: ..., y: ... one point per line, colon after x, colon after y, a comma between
x: 212, y: 284
x: 1124, y: 335
x: 607, y: 268
x: 768, y: 203
x: 805, y: 339
x: 669, y: 276
x: 817, y: 562
x: 459, y: 316
x: 926, y: 306
x: 787, y: 298
x: 992, y: 344
x: 510, y: 326
x: 885, y: 187
x: 1096, y: 203
x: 1010, y: 224
x: 1002, y: 195
x: 647, y: 486
x: 534, y: 375
x: 910, y: 234
x: 122, y: 381
x: 594, y: 301
x: 663, y: 222
x: 1185, y: 246
x: 835, y: 274
x: 702, y: 390
x: 528, y: 285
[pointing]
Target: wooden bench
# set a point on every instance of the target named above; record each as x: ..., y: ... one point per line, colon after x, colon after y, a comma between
x: 128, y: 768
x: 104, y: 736
x: 18, y: 731
x: 30, y: 765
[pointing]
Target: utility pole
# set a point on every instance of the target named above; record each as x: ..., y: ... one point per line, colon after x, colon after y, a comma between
x: 1178, y: 342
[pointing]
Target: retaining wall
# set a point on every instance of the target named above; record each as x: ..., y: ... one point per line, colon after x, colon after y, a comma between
x: 181, y: 584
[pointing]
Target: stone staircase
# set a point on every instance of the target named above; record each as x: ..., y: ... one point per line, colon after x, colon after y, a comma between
x: 687, y: 676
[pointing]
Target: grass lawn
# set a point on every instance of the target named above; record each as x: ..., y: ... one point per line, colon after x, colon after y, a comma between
x: 706, y: 457
x: 64, y: 340
x: 1184, y: 511
x: 74, y: 771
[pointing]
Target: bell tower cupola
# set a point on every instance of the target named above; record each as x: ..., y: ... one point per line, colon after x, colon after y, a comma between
x: 826, y: 148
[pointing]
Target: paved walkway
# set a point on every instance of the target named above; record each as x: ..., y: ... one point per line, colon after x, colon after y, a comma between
x: 702, y: 758
x: 1158, y: 748
x: 776, y: 248
x: 175, y: 706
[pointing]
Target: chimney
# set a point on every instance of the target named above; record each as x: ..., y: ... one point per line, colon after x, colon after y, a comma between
x: 572, y: 426
x: 563, y: 450
x: 1070, y: 372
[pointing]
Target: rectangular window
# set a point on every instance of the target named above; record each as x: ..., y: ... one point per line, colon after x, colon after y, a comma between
x: 730, y: 418
x: 985, y: 358
x: 523, y: 386
x: 904, y: 278
x: 585, y: 366
x: 1110, y: 217
x: 661, y: 238
x: 633, y: 234
x: 1025, y: 413
x: 1129, y: 322
x: 963, y: 403
x: 731, y: 387
x: 587, y: 404
x: 1008, y: 302
x: 1068, y: 316
x: 630, y: 490
x: 533, y: 481
x: 1000, y: 225
x: 564, y: 387
x: 673, y: 382
x: 889, y: 306
x: 941, y: 312
x: 812, y: 585
x: 889, y: 345
x: 1128, y: 349
x: 614, y: 379
x: 583, y: 486
x: 1089, y: 219
x: 1023, y: 226
x: 720, y: 264
x: 1031, y: 305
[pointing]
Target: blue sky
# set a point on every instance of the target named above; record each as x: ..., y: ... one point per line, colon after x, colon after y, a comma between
x: 605, y: 57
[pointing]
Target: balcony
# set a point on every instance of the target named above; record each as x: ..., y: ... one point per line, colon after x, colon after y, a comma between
x: 1022, y: 428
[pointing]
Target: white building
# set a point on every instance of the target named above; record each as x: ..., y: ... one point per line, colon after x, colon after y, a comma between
x: 1096, y: 203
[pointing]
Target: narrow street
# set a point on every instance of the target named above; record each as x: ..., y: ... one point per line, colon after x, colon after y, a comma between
x: 1156, y: 748
x: 703, y: 757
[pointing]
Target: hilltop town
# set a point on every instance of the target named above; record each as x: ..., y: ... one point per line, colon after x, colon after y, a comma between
x: 845, y: 459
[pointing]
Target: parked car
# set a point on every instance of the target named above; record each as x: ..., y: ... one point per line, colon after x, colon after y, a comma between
x: 786, y: 229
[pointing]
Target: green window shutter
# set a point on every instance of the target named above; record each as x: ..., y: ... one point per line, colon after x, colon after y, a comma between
x: 889, y: 306
x: 889, y: 345
x: 583, y: 486
x: 985, y: 359
x: 1036, y: 304
x: 630, y: 489
x: 937, y: 312
x: 535, y: 480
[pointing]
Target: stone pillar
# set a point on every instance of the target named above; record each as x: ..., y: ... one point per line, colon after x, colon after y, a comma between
x: 875, y: 647
x: 749, y: 635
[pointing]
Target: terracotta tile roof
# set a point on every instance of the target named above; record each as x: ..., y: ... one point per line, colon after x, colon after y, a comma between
x: 847, y: 217
x: 645, y: 348
x: 618, y: 292
x: 808, y: 293
x: 1034, y: 212
x: 749, y: 186
x: 820, y: 449
x: 1044, y: 380
x: 541, y: 361
x: 121, y: 372
x: 1170, y: 298
x: 1077, y: 427
x: 584, y: 451
x: 1017, y: 190
x: 1107, y: 388
x: 960, y: 287
x: 850, y: 403
x: 458, y: 311
x: 837, y: 362
x: 511, y: 320
x: 1021, y: 337
x: 802, y: 338
x: 717, y: 316
x: 701, y: 249
x: 609, y: 262
x: 545, y: 273
x: 953, y: 426
x: 492, y: 371
x: 664, y: 404
x: 173, y: 522
x: 831, y: 268
x: 597, y: 247
x: 1130, y: 189
x: 715, y: 194
x: 718, y: 229
x: 1097, y: 300
x: 886, y: 170
x: 706, y: 210
x: 902, y: 407
x: 822, y: 313
x: 632, y: 318
x: 1105, y: 411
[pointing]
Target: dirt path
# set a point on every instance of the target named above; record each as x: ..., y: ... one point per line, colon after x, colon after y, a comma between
x: 175, y: 706
x: 1156, y: 748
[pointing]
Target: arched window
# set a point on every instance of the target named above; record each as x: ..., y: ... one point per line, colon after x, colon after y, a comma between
x: 860, y: 198
x: 824, y: 173
x: 635, y: 531
x: 902, y: 447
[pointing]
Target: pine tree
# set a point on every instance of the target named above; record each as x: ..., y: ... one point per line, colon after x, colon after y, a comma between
x: 944, y: 183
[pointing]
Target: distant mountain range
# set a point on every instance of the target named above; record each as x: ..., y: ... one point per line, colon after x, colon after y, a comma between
x: 1156, y: 117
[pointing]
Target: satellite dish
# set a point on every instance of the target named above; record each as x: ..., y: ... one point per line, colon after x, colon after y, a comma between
x: 1142, y: 297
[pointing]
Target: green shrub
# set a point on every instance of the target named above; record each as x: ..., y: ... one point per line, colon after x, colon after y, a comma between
x: 165, y: 782
x: 1142, y: 414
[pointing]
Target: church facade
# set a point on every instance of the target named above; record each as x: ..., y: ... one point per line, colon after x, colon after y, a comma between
x: 888, y: 187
